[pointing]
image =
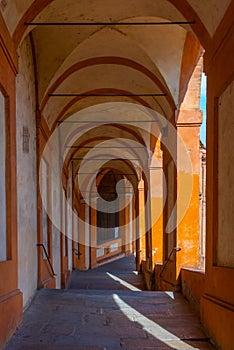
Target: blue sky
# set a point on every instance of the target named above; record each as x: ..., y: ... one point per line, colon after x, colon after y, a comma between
x: 203, y: 108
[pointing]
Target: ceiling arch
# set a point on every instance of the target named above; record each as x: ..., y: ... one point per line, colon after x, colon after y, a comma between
x: 134, y: 60
x: 78, y: 103
x: 58, y: 62
x: 17, y: 14
x: 104, y: 42
x: 134, y: 82
x: 112, y: 60
x: 117, y: 134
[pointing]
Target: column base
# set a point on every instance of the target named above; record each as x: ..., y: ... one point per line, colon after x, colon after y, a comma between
x: 220, y: 328
x: 11, y: 308
x: 65, y: 279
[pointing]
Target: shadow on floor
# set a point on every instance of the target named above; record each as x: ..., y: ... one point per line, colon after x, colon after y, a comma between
x: 117, y: 275
x: 118, y: 316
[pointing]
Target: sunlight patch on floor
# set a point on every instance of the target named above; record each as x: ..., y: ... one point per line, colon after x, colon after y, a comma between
x: 170, y: 294
x: 122, y: 282
x: 151, y: 327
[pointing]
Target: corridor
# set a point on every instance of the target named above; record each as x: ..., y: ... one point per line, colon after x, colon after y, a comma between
x: 117, y: 275
x: 116, y: 154
x: 118, y: 316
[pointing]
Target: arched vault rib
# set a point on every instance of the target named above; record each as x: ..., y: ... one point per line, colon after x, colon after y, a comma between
x: 183, y: 6
x: 108, y: 60
x: 123, y: 131
x: 93, y: 142
x: 137, y: 99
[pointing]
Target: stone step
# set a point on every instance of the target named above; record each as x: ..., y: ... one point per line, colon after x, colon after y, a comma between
x: 58, y: 347
x: 105, y: 314
x: 108, y: 320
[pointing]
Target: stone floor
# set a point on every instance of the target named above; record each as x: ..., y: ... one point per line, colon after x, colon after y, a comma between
x: 118, y: 316
x: 117, y: 275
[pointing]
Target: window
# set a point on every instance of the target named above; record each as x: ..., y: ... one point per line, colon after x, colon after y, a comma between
x: 107, y: 225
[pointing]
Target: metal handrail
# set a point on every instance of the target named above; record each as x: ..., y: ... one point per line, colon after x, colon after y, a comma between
x: 76, y: 252
x: 47, y: 257
x: 175, y: 249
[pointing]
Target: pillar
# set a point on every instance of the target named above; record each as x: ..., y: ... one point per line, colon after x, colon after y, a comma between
x: 188, y: 128
x: 93, y: 237
x: 148, y: 231
x: 141, y: 216
x: 80, y: 260
x: 10, y: 296
x: 127, y: 248
x: 217, y: 306
x: 137, y: 233
x: 156, y: 185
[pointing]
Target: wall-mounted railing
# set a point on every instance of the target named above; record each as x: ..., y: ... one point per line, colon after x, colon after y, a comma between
x: 47, y: 257
x: 174, y: 250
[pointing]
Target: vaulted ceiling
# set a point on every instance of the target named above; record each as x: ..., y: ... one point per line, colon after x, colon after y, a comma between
x: 132, y: 60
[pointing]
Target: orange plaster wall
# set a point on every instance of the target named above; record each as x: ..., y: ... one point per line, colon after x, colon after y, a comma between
x: 191, y: 54
x: 188, y: 229
x: 193, y: 286
x: 218, y: 320
x: 217, y: 307
x: 188, y: 127
x: 10, y: 296
x: 142, y: 230
x: 11, y: 306
x: 157, y: 232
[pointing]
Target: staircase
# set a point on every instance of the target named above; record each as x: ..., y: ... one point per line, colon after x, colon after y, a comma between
x: 109, y: 311
x: 117, y: 275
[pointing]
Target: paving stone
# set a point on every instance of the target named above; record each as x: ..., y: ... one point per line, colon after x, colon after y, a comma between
x: 108, y: 319
x: 58, y: 347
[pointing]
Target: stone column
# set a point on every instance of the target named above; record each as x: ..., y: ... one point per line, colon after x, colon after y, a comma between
x: 122, y: 221
x: 127, y: 223
x: 148, y: 231
x: 93, y: 237
x: 137, y: 234
x: 217, y: 304
x: 141, y: 216
x: 156, y: 185
x: 81, y: 246
x: 188, y: 128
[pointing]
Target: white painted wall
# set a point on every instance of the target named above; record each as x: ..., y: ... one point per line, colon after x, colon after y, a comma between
x: 45, y: 194
x: 56, y: 255
x: 26, y: 175
x: 3, y: 254
x: 69, y: 220
x: 75, y: 229
x: 87, y: 233
x: 56, y: 231
x: 64, y: 223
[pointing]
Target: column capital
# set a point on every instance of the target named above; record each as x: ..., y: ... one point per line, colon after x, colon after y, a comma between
x: 186, y: 117
x: 141, y: 185
x: 152, y: 168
